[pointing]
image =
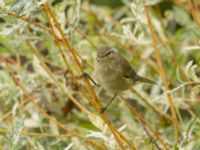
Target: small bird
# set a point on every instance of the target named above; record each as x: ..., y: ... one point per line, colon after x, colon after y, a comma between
x: 114, y: 73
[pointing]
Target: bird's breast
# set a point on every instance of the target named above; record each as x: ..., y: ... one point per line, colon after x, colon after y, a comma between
x: 110, y: 77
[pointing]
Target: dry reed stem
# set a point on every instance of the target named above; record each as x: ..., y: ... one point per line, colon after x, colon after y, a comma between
x: 24, y: 133
x: 162, y: 73
x: 83, y: 36
x: 63, y: 56
x: 96, y: 103
x: 143, y: 120
x: 59, y: 84
x: 79, y: 105
x: 50, y: 31
x: 193, y: 10
x: 86, y: 37
x: 31, y: 99
x: 28, y: 21
x: 156, y: 110
x: 167, y: 42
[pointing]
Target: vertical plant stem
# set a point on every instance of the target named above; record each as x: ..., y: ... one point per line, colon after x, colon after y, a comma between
x: 162, y: 73
x: 31, y: 99
x: 76, y: 102
x: 156, y: 110
x: 142, y: 119
x: 95, y: 102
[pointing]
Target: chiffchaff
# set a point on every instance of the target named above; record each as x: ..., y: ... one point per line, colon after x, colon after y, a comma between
x: 114, y: 73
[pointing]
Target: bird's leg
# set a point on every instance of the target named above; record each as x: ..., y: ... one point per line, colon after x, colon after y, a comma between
x: 86, y: 75
x: 103, y: 109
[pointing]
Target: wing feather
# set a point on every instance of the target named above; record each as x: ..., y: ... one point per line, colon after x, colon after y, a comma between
x: 126, y: 68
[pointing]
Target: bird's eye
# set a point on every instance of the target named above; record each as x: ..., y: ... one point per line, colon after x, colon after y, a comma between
x: 109, y: 52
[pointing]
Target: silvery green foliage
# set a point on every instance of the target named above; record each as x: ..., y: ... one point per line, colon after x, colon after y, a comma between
x: 179, y: 51
x: 187, y: 135
x: 69, y: 146
x: 14, y: 136
x: 8, y: 88
x: 10, y: 27
x: 190, y: 72
x: 192, y: 48
x: 106, y: 136
x: 35, y: 145
x: 104, y: 133
x: 69, y: 16
x: 22, y: 8
x: 135, y: 25
x: 136, y: 18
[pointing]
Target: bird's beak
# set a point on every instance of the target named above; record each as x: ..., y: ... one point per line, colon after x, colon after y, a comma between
x: 98, y: 59
x: 100, y: 56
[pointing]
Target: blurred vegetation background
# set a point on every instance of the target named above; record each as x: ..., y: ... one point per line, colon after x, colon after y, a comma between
x: 46, y: 46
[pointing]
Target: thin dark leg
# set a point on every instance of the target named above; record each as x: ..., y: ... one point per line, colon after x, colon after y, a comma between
x: 85, y: 75
x: 103, y: 109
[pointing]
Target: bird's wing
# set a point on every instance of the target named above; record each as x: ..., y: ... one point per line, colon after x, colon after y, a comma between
x: 129, y: 73
x: 126, y: 68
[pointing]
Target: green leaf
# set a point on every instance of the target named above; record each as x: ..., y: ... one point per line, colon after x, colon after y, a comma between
x: 18, y: 5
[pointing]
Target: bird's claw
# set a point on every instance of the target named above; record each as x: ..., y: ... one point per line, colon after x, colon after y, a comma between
x: 102, y: 110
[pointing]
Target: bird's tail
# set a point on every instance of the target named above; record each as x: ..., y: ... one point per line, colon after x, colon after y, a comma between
x: 142, y: 79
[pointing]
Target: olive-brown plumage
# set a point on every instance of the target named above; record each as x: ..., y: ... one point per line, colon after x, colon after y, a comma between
x: 114, y: 73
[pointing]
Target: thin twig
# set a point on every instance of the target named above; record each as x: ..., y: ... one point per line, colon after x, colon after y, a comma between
x: 143, y: 120
x: 149, y: 135
x: 31, y: 99
x: 24, y: 133
x: 159, y: 112
x: 162, y: 74
x: 95, y: 102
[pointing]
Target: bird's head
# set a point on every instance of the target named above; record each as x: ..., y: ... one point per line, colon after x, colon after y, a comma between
x: 105, y: 53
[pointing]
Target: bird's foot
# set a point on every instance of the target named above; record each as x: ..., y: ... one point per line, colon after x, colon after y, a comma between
x: 102, y: 109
